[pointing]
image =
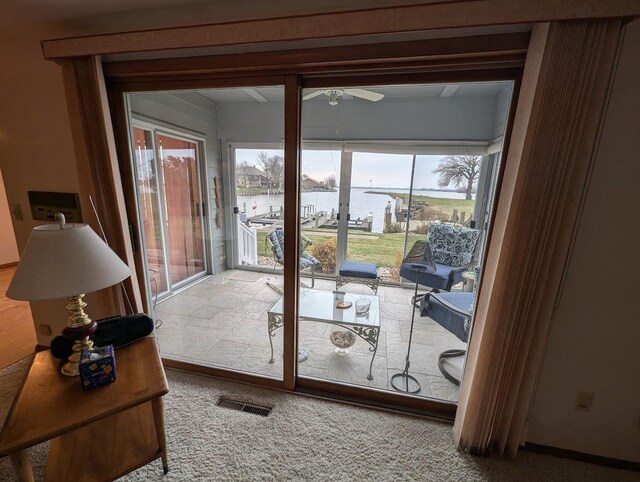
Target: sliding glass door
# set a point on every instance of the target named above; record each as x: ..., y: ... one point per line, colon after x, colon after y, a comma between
x: 168, y: 175
x: 184, y: 207
x: 407, y: 165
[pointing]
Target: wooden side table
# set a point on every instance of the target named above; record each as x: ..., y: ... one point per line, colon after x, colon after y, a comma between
x: 97, y: 435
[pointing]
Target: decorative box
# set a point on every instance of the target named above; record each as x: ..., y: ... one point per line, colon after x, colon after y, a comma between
x: 97, y: 367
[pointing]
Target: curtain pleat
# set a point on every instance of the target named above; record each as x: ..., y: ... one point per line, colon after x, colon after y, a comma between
x: 562, y: 97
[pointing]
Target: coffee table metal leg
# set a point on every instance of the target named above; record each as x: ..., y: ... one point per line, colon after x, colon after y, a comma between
x: 370, y: 375
x: 158, y: 418
x: 273, y: 323
x: 22, y: 466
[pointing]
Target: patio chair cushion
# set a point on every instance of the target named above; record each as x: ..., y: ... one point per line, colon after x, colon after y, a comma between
x: 308, y: 261
x: 452, y: 245
x: 437, y: 306
x: 276, y: 237
x: 358, y: 269
x: 443, y: 278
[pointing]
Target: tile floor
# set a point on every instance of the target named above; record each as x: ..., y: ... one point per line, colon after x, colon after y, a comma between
x: 222, y: 322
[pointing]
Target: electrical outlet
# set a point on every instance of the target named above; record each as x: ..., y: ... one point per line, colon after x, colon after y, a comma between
x: 584, y: 400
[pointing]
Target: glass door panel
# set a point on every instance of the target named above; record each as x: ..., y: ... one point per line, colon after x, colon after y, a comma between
x: 220, y: 294
x: 183, y: 207
x: 148, y: 185
x: 320, y: 205
x: 412, y: 158
x: 379, y: 182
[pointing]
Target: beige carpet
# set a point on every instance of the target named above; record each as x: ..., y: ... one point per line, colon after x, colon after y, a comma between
x: 308, y: 439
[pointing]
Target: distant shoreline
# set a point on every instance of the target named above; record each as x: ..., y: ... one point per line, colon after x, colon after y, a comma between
x: 384, y: 190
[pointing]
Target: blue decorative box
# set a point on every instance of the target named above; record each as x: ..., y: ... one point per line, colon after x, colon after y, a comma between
x: 97, y: 367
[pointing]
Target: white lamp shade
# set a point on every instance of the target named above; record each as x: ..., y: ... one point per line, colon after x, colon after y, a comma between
x: 59, y: 262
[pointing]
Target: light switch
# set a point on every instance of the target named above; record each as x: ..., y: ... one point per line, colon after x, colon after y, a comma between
x: 44, y: 330
x: 17, y: 212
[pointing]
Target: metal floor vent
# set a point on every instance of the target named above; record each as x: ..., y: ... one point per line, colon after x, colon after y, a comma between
x: 243, y: 407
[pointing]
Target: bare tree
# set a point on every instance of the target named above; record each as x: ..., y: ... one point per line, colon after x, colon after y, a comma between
x: 263, y: 159
x: 273, y: 168
x: 459, y: 171
x: 330, y: 182
x: 276, y: 170
x: 243, y: 167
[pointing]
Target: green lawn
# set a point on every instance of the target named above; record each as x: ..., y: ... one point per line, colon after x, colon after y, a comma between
x: 385, y: 250
x: 444, y: 205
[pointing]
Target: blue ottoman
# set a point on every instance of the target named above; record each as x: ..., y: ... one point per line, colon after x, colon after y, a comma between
x: 358, y: 272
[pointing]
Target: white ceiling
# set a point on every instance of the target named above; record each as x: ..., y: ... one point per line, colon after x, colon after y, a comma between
x: 276, y: 94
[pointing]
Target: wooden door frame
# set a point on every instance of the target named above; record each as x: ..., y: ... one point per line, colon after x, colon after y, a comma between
x: 328, y: 69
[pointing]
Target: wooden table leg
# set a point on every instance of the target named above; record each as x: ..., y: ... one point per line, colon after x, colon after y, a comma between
x: 158, y: 417
x: 22, y: 466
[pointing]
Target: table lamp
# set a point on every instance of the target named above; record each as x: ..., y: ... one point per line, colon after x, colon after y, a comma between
x: 66, y: 261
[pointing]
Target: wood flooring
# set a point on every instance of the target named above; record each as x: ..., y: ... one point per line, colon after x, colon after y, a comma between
x: 17, y: 332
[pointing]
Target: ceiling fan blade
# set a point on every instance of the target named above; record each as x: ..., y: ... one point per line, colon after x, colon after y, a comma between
x: 364, y: 94
x: 313, y: 94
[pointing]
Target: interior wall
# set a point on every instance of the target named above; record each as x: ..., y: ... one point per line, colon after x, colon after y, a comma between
x: 196, y: 115
x: 36, y: 150
x: 594, y: 341
x: 8, y: 247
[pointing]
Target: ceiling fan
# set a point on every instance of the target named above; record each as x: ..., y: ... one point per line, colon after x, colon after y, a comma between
x: 335, y: 94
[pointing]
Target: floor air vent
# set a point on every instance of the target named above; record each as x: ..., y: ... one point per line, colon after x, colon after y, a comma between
x: 243, y: 407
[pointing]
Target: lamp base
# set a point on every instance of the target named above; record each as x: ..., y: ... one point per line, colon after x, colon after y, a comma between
x: 72, y: 367
x: 79, y: 329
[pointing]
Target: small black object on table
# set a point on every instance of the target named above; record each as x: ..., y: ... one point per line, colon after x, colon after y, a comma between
x: 403, y: 382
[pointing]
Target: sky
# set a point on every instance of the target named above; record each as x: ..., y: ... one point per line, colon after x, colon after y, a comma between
x: 368, y: 170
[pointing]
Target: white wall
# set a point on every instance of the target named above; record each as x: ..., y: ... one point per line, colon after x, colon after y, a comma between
x: 8, y: 246
x: 594, y: 343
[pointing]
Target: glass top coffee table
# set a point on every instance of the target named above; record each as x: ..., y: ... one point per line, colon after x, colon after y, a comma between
x: 320, y: 306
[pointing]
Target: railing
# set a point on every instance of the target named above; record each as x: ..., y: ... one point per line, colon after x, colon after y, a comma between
x: 247, y: 244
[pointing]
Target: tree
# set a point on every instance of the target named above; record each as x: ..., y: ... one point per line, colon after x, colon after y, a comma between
x: 330, y: 182
x: 276, y: 171
x: 243, y: 167
x: 461, y: 171
x: 273, y: 168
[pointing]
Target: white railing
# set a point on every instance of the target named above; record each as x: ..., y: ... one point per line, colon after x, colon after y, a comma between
x: 247, y: 244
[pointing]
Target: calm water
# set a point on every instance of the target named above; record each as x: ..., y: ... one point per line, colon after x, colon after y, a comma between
x: 362, y: 203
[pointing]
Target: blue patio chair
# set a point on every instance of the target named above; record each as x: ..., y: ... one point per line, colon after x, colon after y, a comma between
x: 276, y: 241
x: 453, y: 311
x: 454, y: 251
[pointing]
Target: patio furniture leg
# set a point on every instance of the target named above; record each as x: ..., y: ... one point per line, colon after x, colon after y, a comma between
x: 375, y: 350
x: 273, y: 323
x: 449, y: 354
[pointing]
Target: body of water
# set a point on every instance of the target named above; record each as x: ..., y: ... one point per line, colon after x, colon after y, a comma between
x: 362, y: 203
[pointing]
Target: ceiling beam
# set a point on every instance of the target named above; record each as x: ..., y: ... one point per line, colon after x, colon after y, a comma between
x: 385, y: 20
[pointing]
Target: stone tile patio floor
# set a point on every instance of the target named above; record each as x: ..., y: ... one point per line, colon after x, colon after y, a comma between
x: 222, y: 322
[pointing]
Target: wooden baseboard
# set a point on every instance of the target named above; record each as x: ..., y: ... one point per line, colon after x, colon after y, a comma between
x: 8, y: 265
x: 583, y: 457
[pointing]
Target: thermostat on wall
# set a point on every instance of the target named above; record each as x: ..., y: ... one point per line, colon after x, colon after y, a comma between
x: 45, y: 205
